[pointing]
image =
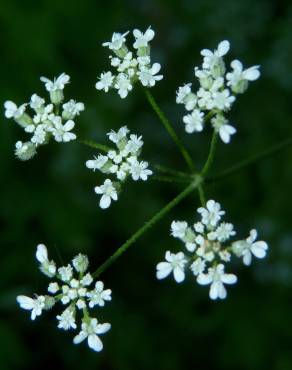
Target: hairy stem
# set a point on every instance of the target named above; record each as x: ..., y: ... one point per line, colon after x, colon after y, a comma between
x: 168, y: 126
x: 173, y: 179
x: 251, y: 160
x: 157, y: 217
x: 170, y: 171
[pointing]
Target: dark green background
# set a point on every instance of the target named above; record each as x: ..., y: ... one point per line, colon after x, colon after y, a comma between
x: 155, y: 325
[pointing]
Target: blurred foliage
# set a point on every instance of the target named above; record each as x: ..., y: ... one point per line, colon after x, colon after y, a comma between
x: 155, y: 325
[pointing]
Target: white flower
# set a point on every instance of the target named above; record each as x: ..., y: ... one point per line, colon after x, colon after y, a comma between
x: 175, y: 264
x: 217, y: 278
x: 71, y: 109
x: 25, y: 151
x: 108, y: 192
x: 198, y: 266
x: 98, y: 296
x: 123, y: 85
x: 86, y: 280
x: 148, y: 76
x: 47, y: 267
x: 213, y: 58
x: 53, y: 288
x: 62, y: 132
x: 220, y: 124
x: 239, y: 77
x: 89, y: 330
x: 105, y: 81
x: 34, y: 305
x: 139, y: 170
x: 12, y: 111
x: 205, y: 100
x: 67, y: 320
x: 211, y: 214
x: 57, y: 84
x: 97, y: 163
x: 194, y: 121
x: 222, y: 99
x: 115, y: 137
x: 40, y: 134
x: 142, y: 39
x: 134, y: 144
x: 224, y: 231
x: 179, y: 229
x: 36, y: 102
x: 182, y: 93
x: 247, y: 248
x: 65, y: 272
x: 42, y: 116
x: 80, y: 263
x: 117, y: 41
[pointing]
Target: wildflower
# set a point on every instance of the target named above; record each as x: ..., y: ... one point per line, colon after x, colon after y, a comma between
x: 139, y: 170
x: 108, y: 192
x: 98, y: 296
x: 238, y: 78
x: 123, y: 85
x: 194, y: 121
x: 142, y: 39
x: 47, y: 267
x: 211, y: 214
x: 25, y: 151
x: 62, y: 133
x: 71, y: 109
x: 36, y: 305
x: 217, y: 278
x: 175, y: 264
x: 117, y: 41
x: 89, y: 329
x: 67, y: 320
x: 221, y: 126
x: 105, y: 81
x: 148, y: 76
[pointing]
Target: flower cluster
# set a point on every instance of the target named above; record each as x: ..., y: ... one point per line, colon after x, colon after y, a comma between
x: 217, y: 92
x: 46, y: 120
x: 208, y: 248
x: 73, y: 292
x: 121, y: 163
x: 132, y: 66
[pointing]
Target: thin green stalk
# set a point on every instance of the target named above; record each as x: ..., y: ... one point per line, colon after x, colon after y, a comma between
x: 173, y: 172
x: 157, y: 217
x: 172, y: 179
x: 251, y: 160
x: 211, y: 155
x: 202, y: 195
x: 168, y: 126
x: 93, y: 144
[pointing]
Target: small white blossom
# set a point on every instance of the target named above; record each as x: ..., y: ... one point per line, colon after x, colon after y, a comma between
x: 97, y: 163
x: 117, y: 41
x: 211, y: 214
x: 66, y: 273
x: 67, y: 320
x: 71, y: 109
x: 53, y: 288
x: 239, y: 77
x: 57, y: 84
x: 224, y: 231
x: 80, y: 263
x: 148, y: 76
x: 179, y: 229
x: 194, y: 121
x: 98, y: 296
x: 36, y: 305
x: 47, y: 267
x: 247, y: 248
x: 175, y: 264
x: 139, y: 170
x: 91, y: 329
x: 123, y: 85
x: 62, y: 133
x: 87, y: 279
x: 213, y: 59
x: 106, y: 80
x: 221, y: 126
x: 25, y: 151
x: 36, y: 102
x: 142, y: 39
x: 12, y: 111
x: 198, y: 266
x: 217, y: 278
x: 108, y: 192
x: 222, y: 100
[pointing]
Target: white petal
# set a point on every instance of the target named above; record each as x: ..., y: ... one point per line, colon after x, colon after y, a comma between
x: 155, y: 68
x: 259, y: 249
x: 163, y: 270
x: 247, y: 258
x: 80, y: 337
x: 223, y: 48
x: 252, y: 73
x: 95, y: 343
x: 222, y: 293
x: 236, y: 65
x: 69, y: 125
x: 105, y: 201
x: 41, y: 253
x: 25, y: 302
x: 228, y: 278
x: 179, y: 274
x: 103, y: 328
x: 204, y: 279
x: 214, y: 290
x: 98, y: 190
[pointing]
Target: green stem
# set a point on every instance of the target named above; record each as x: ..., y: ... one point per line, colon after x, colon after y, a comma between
x: 93, y: 144
x: 157, y: 217
x: 211, y: 155
x: 170, y: 130
x: 202, y: 195
x: 251, y: 160
x: 172, y: 179
x: 171, y: 171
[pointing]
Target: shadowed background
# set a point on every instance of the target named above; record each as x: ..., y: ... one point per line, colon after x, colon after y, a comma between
x: 155, y: 325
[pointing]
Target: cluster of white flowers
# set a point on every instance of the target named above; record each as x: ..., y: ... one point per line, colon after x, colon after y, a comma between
x: 208, y: 248
x: 132, y: 66
x: 217, y: 92
x: 121, y: 163
x: 46, y: 120
x: 73, y: 292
